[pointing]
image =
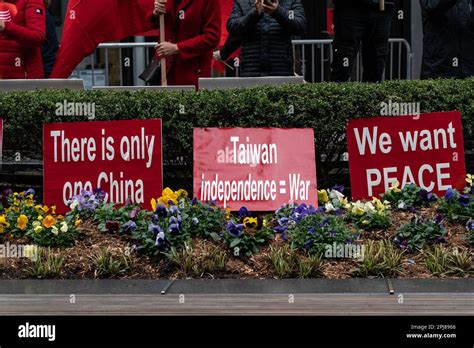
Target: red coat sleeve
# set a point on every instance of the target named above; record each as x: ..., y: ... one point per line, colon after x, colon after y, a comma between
x: 33, y: 33
x: 211, y: 36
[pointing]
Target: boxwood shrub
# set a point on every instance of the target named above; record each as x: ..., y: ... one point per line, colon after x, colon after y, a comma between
x: 326, y: 107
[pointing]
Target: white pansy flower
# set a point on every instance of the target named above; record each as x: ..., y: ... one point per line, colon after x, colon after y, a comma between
x: 55, y: 230
x: 329, y: 207
x: 64, y: 227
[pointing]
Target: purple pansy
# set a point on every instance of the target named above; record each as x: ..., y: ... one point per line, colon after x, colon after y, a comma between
x: 235, y: 230
x: 129, y: 226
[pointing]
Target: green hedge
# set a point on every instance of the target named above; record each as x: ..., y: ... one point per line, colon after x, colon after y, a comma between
x: 325, y: 107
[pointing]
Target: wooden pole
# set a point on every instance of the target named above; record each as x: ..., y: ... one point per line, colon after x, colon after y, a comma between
x: 382, y: 5
x: 164, y: 80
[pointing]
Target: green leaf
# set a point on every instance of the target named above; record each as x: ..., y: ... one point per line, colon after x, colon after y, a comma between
x: 215, y: 236
x: 235, y: 242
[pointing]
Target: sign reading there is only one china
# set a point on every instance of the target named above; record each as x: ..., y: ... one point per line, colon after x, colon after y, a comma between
x: 426, y: 150
x: 260, y: 169
x: 122, y: 158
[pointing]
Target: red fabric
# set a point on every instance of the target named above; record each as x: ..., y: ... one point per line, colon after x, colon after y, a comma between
x: 225, y: 14
x: 90, y: 22
x: 20, y: 42
x: 198, y: 33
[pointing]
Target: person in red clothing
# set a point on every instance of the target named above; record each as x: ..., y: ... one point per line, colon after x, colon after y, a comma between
x: 22, y: 32
x: 193, y: 31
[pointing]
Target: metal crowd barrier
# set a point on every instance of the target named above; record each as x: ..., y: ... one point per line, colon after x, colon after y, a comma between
x: 313, y: 59
x: 32, y: 85
x: 246, y: 82
x: 316, y: 68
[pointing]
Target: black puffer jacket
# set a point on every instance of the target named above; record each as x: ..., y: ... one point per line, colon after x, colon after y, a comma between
x: 448, y: 27
x: 266, y: 40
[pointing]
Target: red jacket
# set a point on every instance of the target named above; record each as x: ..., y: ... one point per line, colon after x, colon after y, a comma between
x: 195, y: 27
x: 20, y: 42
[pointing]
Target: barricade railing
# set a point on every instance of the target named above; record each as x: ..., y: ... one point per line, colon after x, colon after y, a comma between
x: 313, y: 59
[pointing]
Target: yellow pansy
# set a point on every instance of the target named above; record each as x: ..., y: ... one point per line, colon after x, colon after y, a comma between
x: 227, y: 213
x: 37, y: 226
x: 378, y: 204
x: 323, y: 196
x: 3, y: 223
x: 395, y: 187
x: 181, y: 193
x: 168, y: 195
x: 153, y: 204
x: 358, y: 208
x: 21, y: 222
x: 250, y: 222
x: 53, y: 209
x: 49, y: 221
x: 78, y: 222
x: 41, y: 209
x: 29, y: 202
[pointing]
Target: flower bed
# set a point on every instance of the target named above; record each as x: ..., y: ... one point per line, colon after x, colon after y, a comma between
x: 409, y: 232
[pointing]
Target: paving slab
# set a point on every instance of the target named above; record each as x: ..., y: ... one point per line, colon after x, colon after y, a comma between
x: 237, y: 286
x: 433, y: 285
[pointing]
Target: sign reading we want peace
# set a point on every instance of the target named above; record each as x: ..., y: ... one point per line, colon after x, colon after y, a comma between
x: 426, y: 150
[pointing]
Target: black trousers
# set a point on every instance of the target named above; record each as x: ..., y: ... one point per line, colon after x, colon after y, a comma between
x: 355, y: 27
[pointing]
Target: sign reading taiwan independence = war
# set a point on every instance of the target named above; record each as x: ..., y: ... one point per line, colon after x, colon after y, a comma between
x: 122, y: 158
x: 260, y: 169
x: 426, y: 150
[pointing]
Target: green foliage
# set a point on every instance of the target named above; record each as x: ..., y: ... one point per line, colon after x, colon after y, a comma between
x: 282, y: 260
x: 380, y: 259
x: 414, y: 235
x: 286, y: 263
x: 46, y: 265
x: 248, y: 242
x: 182, y: 258
x: 325, y: 107
x: 443, y: 262
x: 210, y: 260
x: 315, y: 232
x: 369, y: 215
x: 410, y: 196
x: 62, y: 235
x: 457, y: 207
x: 208, y: 220
x: 310, y: 266
x: 109, y: 264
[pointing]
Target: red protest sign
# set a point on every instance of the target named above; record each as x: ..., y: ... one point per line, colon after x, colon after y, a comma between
x: 123, y: 158
x: 1, y: 139
x: 427, y: 150
x: 257, y: 168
